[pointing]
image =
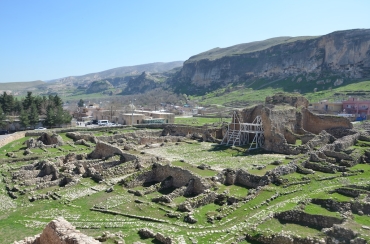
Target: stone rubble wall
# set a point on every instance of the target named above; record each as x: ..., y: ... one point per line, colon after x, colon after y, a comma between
x: 311, y: 220
x: 285, y: 238
x: 316, y: 123
x: 286, y: 119
x: 12, y: 137
x: 355, y: 206
x: 208, y: 134
x: 342, y: 143
x: 59, y: 231
x: 201, y: 200
x: 181, y: 177
x: 104, y: 150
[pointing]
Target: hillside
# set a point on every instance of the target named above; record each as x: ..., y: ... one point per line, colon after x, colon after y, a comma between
x: 120, y: 72
x: 14, y: 86
x: 298, y: 64
x: 77, y: 85
x: 217, y: 52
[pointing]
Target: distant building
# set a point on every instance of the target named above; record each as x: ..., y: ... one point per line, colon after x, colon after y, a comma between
x: 325, y: 107
x: 147, y: 117
x: 357, y: 107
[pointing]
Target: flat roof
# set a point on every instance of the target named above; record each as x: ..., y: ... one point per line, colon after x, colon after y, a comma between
x: 131, y: 114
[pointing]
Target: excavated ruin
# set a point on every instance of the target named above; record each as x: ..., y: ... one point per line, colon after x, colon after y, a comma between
x: 122, y: 159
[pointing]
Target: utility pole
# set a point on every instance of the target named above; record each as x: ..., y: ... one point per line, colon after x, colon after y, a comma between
x: 133, y: 108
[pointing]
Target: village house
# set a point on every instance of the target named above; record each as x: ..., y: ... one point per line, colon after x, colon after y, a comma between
x: 357, y: 107
x: 325, y: 107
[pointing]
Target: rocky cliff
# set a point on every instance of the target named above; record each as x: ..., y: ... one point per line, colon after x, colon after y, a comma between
x: 303, y: 63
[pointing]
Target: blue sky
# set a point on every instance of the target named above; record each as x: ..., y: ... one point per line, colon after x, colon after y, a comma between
x: 49, y: 39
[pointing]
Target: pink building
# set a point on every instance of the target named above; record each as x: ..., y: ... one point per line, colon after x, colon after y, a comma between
x: 357, y: 107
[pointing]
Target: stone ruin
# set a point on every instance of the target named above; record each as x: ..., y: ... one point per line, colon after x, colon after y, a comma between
x: 59, y: 231
x: 45, y: 140
x: 286, y: 119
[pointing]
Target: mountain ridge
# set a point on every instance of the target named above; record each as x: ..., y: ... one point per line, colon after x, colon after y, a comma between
x: 307, y: 63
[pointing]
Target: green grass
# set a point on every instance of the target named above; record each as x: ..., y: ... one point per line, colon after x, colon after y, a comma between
x: 199, y: 121
x: 318, y: 210
x: 273, y: 225
x: 362, y: 220
x: 245, y: 95
x: 194, y: 169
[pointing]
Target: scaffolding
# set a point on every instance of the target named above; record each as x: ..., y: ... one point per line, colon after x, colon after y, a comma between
x: 239, y: 133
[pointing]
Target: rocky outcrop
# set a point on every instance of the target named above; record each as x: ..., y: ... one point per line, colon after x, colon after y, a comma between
x: 141, y: 84
x: 59, y: 231
x: 99, y: 86
x: 344, y: 54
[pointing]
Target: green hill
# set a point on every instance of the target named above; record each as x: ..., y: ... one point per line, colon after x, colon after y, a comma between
x: 20, y: 85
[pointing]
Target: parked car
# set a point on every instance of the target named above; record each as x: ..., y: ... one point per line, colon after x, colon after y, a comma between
x: 103, y: 122
x: 4, y: 132
x: 41, y: 128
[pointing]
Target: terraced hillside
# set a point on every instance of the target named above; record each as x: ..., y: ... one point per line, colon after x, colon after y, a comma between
x: 145, y: 186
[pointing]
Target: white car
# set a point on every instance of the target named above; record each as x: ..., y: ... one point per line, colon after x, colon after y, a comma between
x: 41, y: 128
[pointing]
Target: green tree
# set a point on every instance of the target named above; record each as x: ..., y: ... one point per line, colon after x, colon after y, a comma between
x: 23, y: 119
x: 58, y: 116
x: 67, y: 117
x: 27, y: 102
x: 62, y: 117
x: 7, y: 102
x: 33, y: 115
x: 17, y: 107
x: 58, y: 101
x: 50, y: 117
x: 80, y: 103
x: 2, y: 117
x: 38, y: 102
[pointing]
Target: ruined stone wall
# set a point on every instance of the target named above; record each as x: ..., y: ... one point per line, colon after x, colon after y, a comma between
x: 180, y: 177
x: 244, y: 178
x: 277, y: 121
x: 131, y: 135
x: 286, y: 118
x: 311, y: 220
x: 184, y: 130
x: 75, y: 136
x: 292, y: 100
x: 316, y: 123
x: 103, y: 150
x: 343, y: 143
x: 12, y: 137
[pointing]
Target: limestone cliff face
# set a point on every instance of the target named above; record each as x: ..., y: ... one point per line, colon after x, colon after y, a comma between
x: 332, y: 58
x: 99, y: 86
